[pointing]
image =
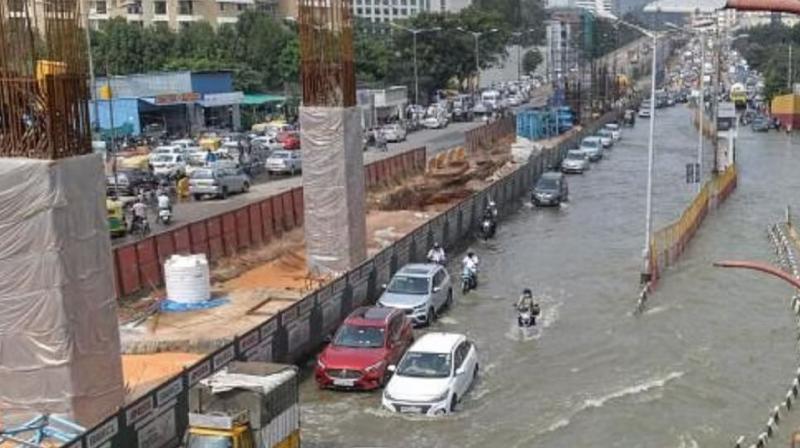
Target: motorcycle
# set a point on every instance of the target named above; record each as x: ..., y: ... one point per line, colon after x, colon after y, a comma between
x: 487, y: 228
x: 469, y: 280
x: 527, y: 317
x: 140, y: 226
x: 165, y: 216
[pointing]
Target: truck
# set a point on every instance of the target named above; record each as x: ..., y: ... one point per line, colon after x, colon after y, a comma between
x: 738, y: 95
x: 245, y: 405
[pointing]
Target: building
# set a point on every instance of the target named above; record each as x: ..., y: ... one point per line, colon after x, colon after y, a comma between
x: 378, y: 106
x: 378, y: 11
x: 175, y: 102
x: 562, y: 57
x: 176, y: 13
x: 751, y: 19
x: 600, y: 7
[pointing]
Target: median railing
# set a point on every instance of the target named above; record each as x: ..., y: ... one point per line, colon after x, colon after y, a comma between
x: 668, y: 243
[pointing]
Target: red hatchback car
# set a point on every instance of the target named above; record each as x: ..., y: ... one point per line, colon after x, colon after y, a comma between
x: 369, y: 340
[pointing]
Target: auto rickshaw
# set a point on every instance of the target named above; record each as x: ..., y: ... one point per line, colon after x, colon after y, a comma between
x: 117, y: 224
x: 210, y: 141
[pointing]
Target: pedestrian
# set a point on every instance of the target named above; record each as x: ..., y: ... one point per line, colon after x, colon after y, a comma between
x: 183, y: 188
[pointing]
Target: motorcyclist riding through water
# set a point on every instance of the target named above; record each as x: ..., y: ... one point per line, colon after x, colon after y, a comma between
x: 437, y: 255
x: 490, y: 216
x: 470, y: 267
x: 526, y: 304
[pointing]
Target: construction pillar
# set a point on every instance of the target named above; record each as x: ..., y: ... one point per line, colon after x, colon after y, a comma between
x: 58, y: 327
x: 330, y: 134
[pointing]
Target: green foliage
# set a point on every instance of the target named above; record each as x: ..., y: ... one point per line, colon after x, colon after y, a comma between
x: 766, y: 49
x: 531, y: 60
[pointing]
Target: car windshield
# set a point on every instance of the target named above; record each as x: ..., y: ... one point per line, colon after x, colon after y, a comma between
x: 547, y: 184
x: 589, y: 143
x: 612, y: 127
x: 574, y: 155
x: 605, y: 133
x: 402, y: 284
x: 425, y: 365
x: 203, y: 174
x: 359, y: 337
x: 163, y: 158
x: 208, y: 441
x: 279, y: 155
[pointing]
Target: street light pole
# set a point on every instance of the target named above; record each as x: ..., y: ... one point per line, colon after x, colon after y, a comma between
x: 701, y: 109
x: 414, y: 32
x: 650, y: 160
x: 477, y: 35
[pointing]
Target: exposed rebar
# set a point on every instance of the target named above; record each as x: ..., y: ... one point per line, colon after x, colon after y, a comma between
x: 43, y: 71
x: 326, y: 53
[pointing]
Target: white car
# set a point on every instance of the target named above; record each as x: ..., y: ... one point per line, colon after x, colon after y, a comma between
x: 576, y: 161
x: 616, y: 133
x: 184, y: 143
x: 169, y: 165
x: 605, y: 138
x: 394, y: 133
x: 644, y: 110
x: 592, y: 147
x: 166, y: 150
x: 433, y: 376
x: 284, y: 161
x: 267, y: 142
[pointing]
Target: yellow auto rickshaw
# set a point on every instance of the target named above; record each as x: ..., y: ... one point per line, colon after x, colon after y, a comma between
x: 117, y: 225
x: 210, y: 141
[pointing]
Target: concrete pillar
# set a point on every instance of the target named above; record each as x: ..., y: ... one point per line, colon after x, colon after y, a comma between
x: 237, y: 117
x: 58, y: 328
x: 333, y: 188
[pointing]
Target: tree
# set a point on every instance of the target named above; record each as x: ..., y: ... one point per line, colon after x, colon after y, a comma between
x: 531, y: 60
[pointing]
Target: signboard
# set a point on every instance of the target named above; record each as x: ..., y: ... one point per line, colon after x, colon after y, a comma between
x: 222, y: 99
x: 177, y: 98
x: 726, y: 110
x: 692, y: 173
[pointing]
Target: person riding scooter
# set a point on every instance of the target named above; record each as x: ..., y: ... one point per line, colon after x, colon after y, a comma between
x: 437, y: 255
x: 164, y: 207
x: 490, y: 216
x: 526, y: 304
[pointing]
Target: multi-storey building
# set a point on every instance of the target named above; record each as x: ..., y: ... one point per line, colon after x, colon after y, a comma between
x: 175, y: 13
x: 378, y: 11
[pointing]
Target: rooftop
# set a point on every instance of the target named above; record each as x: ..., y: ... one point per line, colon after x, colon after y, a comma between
x: 436, y: 342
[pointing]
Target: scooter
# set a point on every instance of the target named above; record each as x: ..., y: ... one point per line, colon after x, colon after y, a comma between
x: 469, y: 280
x: 165, y: 216
x: 140, y: 227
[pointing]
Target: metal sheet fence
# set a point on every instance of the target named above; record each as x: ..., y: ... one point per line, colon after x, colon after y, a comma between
x: 668, y: 243
x: 138, y: 266
x: 159, y: 419
x: 485, y: 136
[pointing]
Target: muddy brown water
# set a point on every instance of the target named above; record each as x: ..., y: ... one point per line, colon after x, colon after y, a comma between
x: 708, y: 360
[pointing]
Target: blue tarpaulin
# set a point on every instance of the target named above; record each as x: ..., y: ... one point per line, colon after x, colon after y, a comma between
x: 169, y: 306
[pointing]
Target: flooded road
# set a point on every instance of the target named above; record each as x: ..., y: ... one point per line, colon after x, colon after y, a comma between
x: 708, y: 360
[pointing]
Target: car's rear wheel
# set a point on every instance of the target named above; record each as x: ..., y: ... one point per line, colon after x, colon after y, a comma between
x: 224, y: 194
x: 198, y: 197
x: 246, y: 187
x: 449, y: 301
x: 453, y: 403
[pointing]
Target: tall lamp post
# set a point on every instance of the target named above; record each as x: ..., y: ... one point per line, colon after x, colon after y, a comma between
x: 477, y: 35
x: 414, y: 32
x: 645, y: 276
x: 518, y: 35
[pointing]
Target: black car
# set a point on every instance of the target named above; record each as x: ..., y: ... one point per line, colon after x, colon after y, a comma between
x: 127, y: 182
x: 551, y: 189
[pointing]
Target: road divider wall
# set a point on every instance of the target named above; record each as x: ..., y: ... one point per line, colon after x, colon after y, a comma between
x: 668, y: 243
x: 138, y: 266
x: 160, y: 418
x: 485, y: 137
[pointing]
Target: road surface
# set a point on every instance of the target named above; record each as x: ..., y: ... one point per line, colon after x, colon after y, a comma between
x: 714, y: 352
x: 268, y: 185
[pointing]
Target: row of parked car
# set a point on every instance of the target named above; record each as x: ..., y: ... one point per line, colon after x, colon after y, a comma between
x: 375, y: 347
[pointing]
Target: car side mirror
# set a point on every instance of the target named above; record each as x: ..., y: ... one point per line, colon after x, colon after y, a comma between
x: 460, y: 371
x: 384, y: 286
x: 391, y: 368
x: 328, y: 338
x: 437, y: 288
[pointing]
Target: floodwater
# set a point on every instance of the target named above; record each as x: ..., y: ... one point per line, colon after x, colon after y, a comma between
x: 712, y: 355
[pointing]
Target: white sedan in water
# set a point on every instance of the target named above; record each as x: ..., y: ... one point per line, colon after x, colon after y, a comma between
x: 433, y: 376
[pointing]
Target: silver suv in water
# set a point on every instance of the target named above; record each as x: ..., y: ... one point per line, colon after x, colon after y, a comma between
x: 420, y: 290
